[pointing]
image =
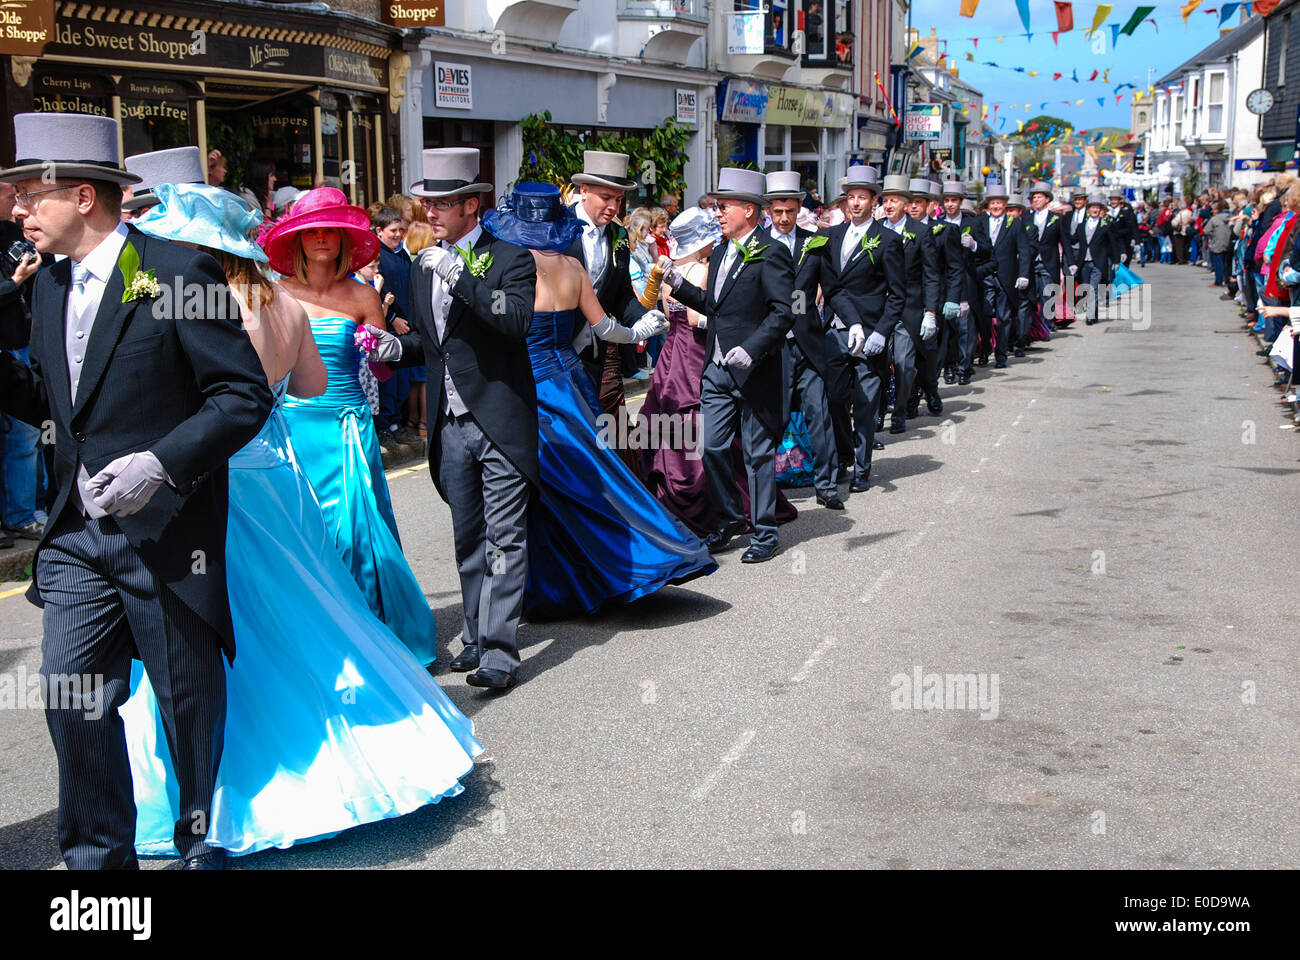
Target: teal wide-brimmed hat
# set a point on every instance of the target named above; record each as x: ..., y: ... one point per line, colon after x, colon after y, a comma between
x: 205, y: 216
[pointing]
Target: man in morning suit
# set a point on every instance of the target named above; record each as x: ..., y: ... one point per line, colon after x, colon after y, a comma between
x: 805, y: 344
x: 1052, y: 249
x: 471, y: 304
x: 1001, y: 243
x: 1097, y: 248
x: 862, y: 280
x: 960, y: 360
x: 952, y: 279
x: 148, y: 403
x: 747, y: 302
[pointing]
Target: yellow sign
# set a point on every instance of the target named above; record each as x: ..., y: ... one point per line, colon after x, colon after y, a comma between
x: 26, y: 26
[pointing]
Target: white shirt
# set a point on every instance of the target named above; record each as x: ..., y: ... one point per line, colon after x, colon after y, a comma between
x: 595, y: 247
x: 1089, y: 228
x: 897, y: 227
x: 995, y: 228
x: 440, y: 299
x: 791, y: 240
x: 853, y: 235
x: 99, y: 265
x: 1040, y: 220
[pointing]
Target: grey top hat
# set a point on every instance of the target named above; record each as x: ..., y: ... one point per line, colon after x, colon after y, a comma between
x: 740, y: 184
x: 78, y: 145
x: 177, y: 165
x: 1116, y: 192
x: 693, y: 229
x: 604, y: 169
x: 860, y: 176
x: 896, y: 183
x: 1016, y: 200
x: 936, y: 190
x: 953, y: 188
x: 968, y: 205
x: 1041, y: 186
x: 449, y: 172
x: 1098, y: 199
x: 923, y: 189
x: 995, y: 190
x: 784, y: 184
x: 1078, y: 190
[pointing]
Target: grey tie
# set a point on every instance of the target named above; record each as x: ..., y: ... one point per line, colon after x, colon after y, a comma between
x: 80, y: 274
x: 995, y: 227
x: 850, y: 241
x: 597, y: 267
x: 727, y: 261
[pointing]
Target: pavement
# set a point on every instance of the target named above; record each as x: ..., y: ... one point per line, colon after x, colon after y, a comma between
x: 1096, y: 535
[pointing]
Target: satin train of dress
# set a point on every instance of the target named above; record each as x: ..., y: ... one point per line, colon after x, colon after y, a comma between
x: 330, y: 720
x: 334, y: 438
x: 595, y: 534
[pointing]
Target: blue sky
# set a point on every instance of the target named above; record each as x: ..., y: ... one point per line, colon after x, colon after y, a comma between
x: 1128, y: 60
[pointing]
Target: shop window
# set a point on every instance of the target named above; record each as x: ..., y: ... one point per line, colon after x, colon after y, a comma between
x: 805, y: 140
x: 1214, y: 103
x: 661, y: 8
x: 827, y: 27
x: 57, y: 92
x: 776, y: 22
x: 774, y: 140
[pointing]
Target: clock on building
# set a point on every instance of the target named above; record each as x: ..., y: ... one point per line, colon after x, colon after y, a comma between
x: 1259, y: 101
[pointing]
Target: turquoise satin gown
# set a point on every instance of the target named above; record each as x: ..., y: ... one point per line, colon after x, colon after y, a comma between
x: 334, y: 438
x: 330, y: 720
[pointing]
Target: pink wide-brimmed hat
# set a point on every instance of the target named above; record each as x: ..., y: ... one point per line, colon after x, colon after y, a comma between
x: 324, y: 207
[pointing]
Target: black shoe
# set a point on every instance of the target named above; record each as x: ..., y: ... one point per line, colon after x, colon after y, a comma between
x: 1090, y: 321
x: 880, y: 422
x: 898, y: 426
x: 950, y: 376
x: 6, y: 541
x: 718, y: 540
x: 1265, y: 352
x: 1226, y: 296
x: 1019, y: 351
x: 877, y: 445
x: 466, y: 661
x: 757, y: 553
x: 983, y: 361
x: 493, y: 679
x: 213, y: 859
x: 934, y: 404
x: 964, y: 380
x: 1000, y: 363
x: 862, y: 484
x: 830, y: 503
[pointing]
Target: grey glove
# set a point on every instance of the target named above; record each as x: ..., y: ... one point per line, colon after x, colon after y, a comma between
x: 950, y: 310
x: 389, y: 349
x: 611, y: 331
x: 968, y: 241
x: 1022, y: 283
x: 875, y: 344
x: 857, y: 337
x: 673, y: 277
x: 127, y: 483
x: 963, y: 308
x: 650, y: 325
x: 928, y: 327
x: 1074, y: 268
x: 738, y: 358
x: 447, y: 264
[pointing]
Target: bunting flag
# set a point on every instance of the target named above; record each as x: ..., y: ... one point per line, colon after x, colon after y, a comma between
x: 1101, y: 101
x: 1140, y: 14
x: 1064, y: 17
x: 1263, y: 7
x: 1114, y: 34
x: 1002, y: 123
x: 1105, y: 75
x: 970, y: 56
x: 1119, y: 97
x: 1056, y: 76
x: 968, y: 7
x: 916, y: 48
x: 1056, y: 37
x: 976, y: 42
x: 1227, y: 10
x: 1076, y: 75
x: 1103, y: 11
x: 1094, y: 76
x: 1023, y: 7
x: 1187, y: 8
x: 1152, y: 21
x: 890, y: 105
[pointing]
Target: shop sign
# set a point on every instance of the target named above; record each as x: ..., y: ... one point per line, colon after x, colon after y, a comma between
x: 745, y: 102
x: 154, y: 110
x: 924, y: 121
x: 794, y: 106
x: 26, y: 26
x: 414, y: 13
x: 221, y: 52
x: 142, y: 88
x: 687, y: 109
x: 452, y: 86
x: 1254, y: 163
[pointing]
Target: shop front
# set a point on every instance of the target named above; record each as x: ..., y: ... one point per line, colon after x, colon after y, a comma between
x: 309, y: 97
x: 476, y: 101
x: 741, y: 107
x: 807, y: 130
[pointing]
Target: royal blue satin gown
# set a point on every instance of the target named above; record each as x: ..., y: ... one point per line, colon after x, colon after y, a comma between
x: 595, y: 534
x: 334, y: 438
x: 330, y: 720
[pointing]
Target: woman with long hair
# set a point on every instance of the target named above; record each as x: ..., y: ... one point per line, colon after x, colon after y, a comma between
x: 330, y: 720
x: 316, y: 250
x: 595, y: 534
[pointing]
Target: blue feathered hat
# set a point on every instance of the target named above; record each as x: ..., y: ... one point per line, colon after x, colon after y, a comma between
x: 533, y: 215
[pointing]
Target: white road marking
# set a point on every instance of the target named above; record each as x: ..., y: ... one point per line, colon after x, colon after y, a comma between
x: 735, y: 753
x: 880, y: 582
x: 811, y: 662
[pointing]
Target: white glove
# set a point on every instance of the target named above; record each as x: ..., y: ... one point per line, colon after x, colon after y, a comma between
x: 968, y: 241
x: 875, y: 344
x: 856, y: 339
x: 1074, y: 268
x: 612, y: 331
x: 650, y: 325
x: 738, y: 358
x: 445, y: 263
x: 128, y: 483
x: 1022, y: 283
x: 963, y: 308
x: 389, y: 348
x: 928, y: 327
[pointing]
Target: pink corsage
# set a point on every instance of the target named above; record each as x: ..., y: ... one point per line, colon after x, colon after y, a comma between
x: 367, y: 342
